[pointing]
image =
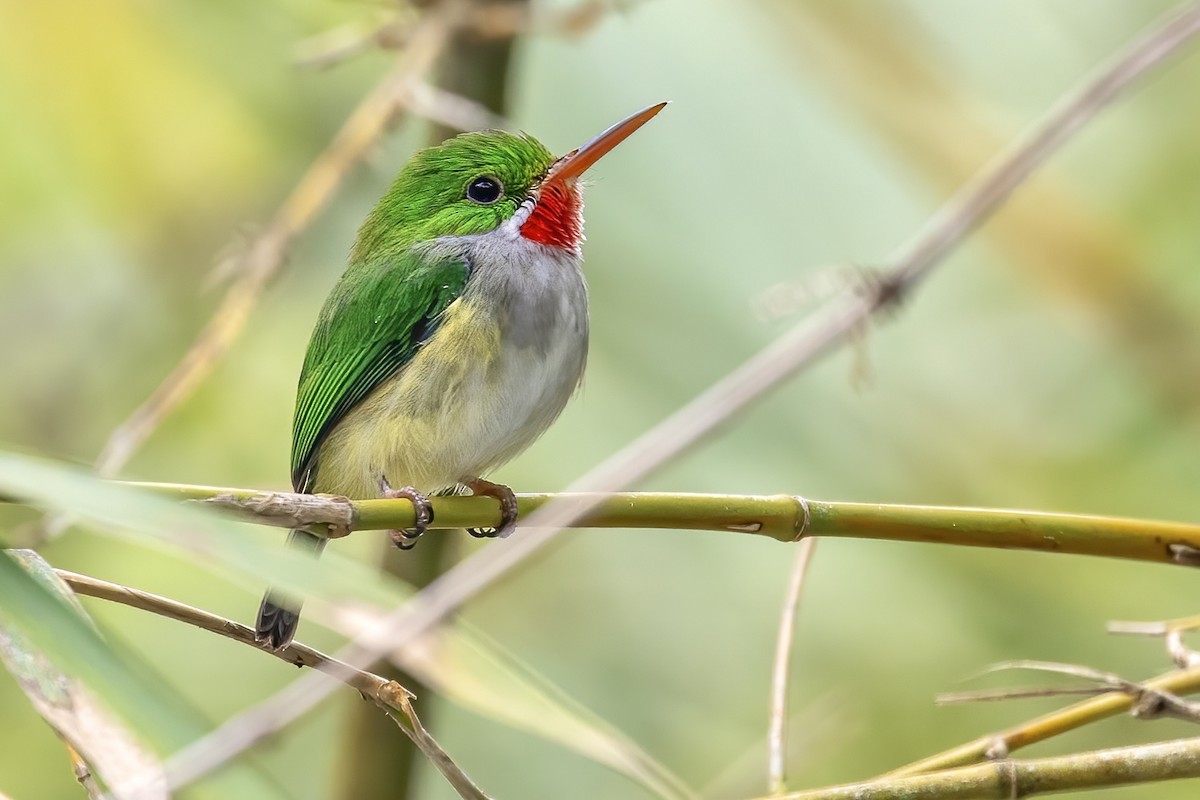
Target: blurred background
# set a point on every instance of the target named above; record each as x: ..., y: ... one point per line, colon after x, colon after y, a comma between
x: 1052, y: 364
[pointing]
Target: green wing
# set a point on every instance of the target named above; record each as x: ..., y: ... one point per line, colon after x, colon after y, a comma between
x: 371, y: 326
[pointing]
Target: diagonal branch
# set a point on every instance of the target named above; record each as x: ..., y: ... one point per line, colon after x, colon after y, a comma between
x: 390, y: 696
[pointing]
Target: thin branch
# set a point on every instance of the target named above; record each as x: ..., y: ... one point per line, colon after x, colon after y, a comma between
x: 991, y: 187
x: 454, y: 111
x: 806, y: 342
x: 1000, y: 744
x: 504, y: 20
x: 777, y: 726
x: 1003, y: 780
x: 485, y: 21
x: 332, y: 47
x: 388, y: 695
x: 1172, y: 632
x: 432, y: 750
x: 1160, y: 628
x: 1148, y: 702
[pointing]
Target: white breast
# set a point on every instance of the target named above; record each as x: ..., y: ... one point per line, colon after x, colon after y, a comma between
x: 499, y: 369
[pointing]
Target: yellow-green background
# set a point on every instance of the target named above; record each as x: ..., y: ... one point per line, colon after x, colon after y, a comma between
x: 1054, y: 363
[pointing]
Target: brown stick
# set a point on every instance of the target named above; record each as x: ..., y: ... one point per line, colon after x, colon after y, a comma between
x: 390, y: 696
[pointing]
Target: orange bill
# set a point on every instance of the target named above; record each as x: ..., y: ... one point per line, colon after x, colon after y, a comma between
x: 575, y: 163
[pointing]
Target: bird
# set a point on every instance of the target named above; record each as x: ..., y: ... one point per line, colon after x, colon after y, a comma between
x: 453, y: 339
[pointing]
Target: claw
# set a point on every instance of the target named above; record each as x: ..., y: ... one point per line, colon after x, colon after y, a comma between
x: 422, y: 513
x: 508, y: 508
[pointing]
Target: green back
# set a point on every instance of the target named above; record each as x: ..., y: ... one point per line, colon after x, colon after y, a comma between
x: 370, y: 327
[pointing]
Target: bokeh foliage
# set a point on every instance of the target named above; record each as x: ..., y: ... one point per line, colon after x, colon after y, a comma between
x: 1051, y: 365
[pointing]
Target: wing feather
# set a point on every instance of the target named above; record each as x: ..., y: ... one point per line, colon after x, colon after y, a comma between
x: 372, y: 325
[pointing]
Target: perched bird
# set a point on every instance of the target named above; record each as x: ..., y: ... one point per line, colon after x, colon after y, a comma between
x: 454, y: 338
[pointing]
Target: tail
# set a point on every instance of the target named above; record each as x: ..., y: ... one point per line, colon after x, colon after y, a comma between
x: 279, y: 614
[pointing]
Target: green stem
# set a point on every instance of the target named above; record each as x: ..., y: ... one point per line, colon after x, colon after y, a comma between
x: 1007, y: 779
x: 786, y: 518
x: 1048, y: 725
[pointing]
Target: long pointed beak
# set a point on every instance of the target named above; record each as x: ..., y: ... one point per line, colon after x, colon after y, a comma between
x: 575, y: 163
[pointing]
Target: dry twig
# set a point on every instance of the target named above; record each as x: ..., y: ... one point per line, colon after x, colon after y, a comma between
x: 485, y: 21
x: 1148, y: 702
x: 1172, y: 632
x: 390, y: 696
x: 1055, y: 723
x: 777, y: 725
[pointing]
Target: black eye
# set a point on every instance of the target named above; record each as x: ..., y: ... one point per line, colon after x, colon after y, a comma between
x: 485, y: 190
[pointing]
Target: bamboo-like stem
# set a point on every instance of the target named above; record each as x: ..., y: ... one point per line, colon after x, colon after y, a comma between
x: 1055, y: 723
x: 785, y: 518
x: 777, y: 721
x: 1002, y: 780
x: 390, y: 696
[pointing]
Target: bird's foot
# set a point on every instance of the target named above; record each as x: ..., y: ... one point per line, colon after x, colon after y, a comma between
x: 422, y: 514
x: 508, y: 508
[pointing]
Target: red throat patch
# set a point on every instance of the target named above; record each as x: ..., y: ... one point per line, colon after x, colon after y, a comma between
x: 557, y: 217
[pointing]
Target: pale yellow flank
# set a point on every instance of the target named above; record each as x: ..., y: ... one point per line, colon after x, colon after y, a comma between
x: 412, y: 428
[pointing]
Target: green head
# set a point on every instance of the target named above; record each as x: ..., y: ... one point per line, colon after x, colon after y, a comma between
x: 470, y: 184
x: 476, y: 182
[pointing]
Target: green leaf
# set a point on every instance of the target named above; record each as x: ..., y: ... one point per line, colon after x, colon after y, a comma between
x: 53, y: 651
x: 109, y: 747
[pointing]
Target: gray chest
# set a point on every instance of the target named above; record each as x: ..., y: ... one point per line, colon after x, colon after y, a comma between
x: 537, y: 299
